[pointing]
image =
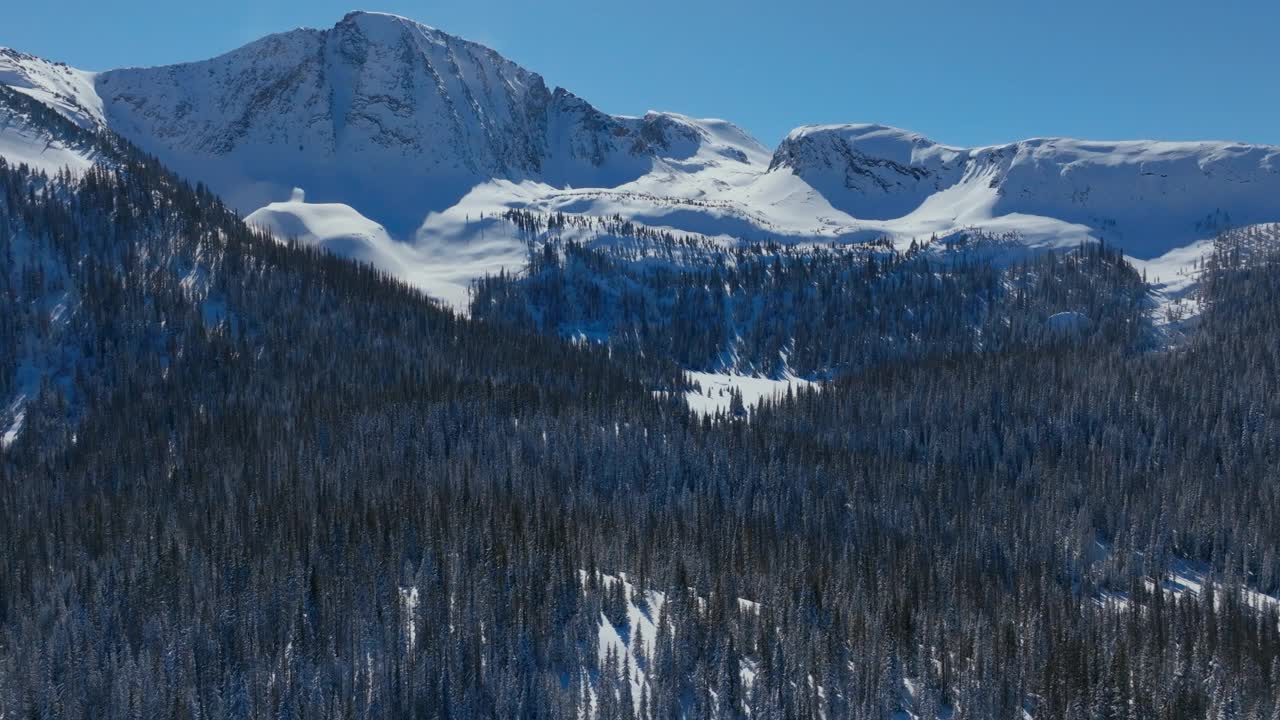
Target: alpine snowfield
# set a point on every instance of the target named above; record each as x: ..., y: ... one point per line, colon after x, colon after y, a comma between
x: 394, y: 143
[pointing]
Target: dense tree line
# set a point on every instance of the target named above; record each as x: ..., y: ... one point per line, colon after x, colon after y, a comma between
x: 265, y: 482
x: 815, y: 311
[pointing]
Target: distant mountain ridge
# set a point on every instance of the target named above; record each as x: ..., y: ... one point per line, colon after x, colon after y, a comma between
x: 398, y: 128
x: 390, y: 116
x: 1123, y: 191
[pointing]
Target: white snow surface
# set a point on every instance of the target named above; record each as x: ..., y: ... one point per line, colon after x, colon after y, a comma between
x: 64, y: 88
x: 334, y: 227
x: 716, y: 390
x: 1175, y: 276
x: 22, y: 138
x: 638, y: 637
x: 443, y: 264
x: 22, y: 143
x: 411, y: 142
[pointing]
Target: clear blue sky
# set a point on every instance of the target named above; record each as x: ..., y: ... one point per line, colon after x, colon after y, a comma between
x: 964, y: 72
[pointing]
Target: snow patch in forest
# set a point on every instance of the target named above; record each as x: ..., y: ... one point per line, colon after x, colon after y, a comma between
x: 1188, y: 578
x: 1175, y: 276
x: 409, y: 601
x: 17, y: 412
x: 632, y: 646
x: 716, y: 390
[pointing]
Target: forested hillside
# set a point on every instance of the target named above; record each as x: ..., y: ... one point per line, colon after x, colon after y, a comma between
x: 815, y: 311
x: 252, y: 480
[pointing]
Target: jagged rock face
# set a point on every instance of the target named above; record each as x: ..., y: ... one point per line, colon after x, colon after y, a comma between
x: 375, y: 92
x: 580, y: 135
x: 869, y: 171
x: 372, y: 84
x: 379, y: 112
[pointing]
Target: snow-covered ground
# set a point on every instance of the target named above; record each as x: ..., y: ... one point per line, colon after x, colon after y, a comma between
x: 1190, y: 579
x: 410, y: 142
x: 625, y: 644
x: 68, y: 90
x: 715, y: 393
x: 1174, y: 276
x: 28, y: 145
x: 443, y: 265
x: 1182, y: 578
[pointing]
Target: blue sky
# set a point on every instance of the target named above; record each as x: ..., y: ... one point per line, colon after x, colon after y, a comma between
x: 973, y: 72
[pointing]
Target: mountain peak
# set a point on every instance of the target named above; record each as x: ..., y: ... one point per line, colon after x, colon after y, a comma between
x: 859, y: 131
x: 382, y: 26
x: 403, y: 122
x: 375, y: 16
x: 860, y: 147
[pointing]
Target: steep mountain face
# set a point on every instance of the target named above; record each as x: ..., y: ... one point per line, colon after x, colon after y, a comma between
x: 411, y: 144
x: 34, y: 134
x: 387, y: 115
x: 869, y: 171
x: 1143, y: 196
x: 68, y: 90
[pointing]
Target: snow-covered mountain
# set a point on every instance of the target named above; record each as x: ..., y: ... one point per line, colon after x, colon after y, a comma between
x: 1141, y: 195
x: 27, y: 138
x: 411, y: 143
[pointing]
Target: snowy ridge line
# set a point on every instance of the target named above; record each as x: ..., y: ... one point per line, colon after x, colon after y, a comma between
x: 402, y: 134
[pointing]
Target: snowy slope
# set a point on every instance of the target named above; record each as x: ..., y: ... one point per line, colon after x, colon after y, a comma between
x: 25, y: 140
x: 443, y: 269
x: 410, y: 143
x: 392, y: 117
x: 66, y: 89
x: 334, y: 227
x: 1175, y: 275
x: 1143, y: 196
